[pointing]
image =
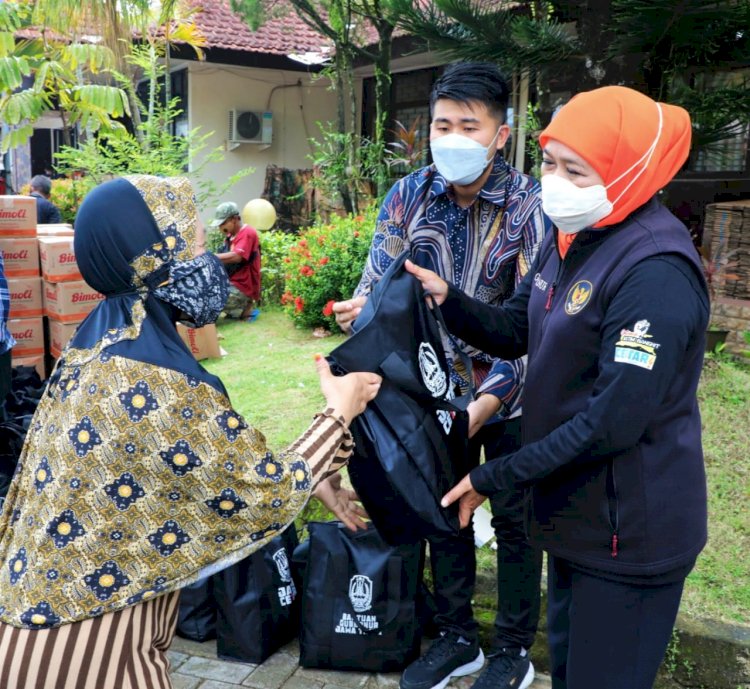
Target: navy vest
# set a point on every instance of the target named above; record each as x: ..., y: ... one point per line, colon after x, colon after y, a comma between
x: 584, y: 509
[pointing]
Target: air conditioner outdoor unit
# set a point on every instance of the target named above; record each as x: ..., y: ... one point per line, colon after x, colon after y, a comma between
x: 250, y: 127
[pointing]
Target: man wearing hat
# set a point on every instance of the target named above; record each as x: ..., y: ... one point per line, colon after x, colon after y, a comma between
x: 241, y: 259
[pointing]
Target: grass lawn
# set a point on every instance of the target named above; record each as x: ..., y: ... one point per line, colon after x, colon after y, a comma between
x: 270, y: 375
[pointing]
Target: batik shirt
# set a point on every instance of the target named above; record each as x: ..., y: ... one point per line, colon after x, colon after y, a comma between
x: 485, y: 250
x: 6, y: 339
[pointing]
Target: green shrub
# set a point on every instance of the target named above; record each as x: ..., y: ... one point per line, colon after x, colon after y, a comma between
x: 324, y: 265
x: 274, y: 247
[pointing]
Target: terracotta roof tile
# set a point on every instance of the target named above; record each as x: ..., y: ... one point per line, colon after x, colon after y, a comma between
x: 283, y: 35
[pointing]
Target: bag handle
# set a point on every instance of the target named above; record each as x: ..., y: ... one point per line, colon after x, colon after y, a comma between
x: 463, y: 356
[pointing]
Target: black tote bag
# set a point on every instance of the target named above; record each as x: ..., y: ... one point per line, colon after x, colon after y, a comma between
x: 257, y: 603
x: 358, y: 601
x: 250, y: 608
x: 411, y: 440
x: 196, y: 616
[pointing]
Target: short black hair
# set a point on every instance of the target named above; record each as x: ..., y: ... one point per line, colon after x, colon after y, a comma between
x: 42, y: 183
x: 473, y: 82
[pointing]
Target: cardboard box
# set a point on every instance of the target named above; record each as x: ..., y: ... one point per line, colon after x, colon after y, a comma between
x: 29, y: 336
x: 55, y: 230
x: 69, y: 302
x: 59, y: 335
x: 25, y: 297
x: 20, y: 256
x: 17, y: 216
x: 202, y: 342
x: 36, y: 361
x: 57, y: 259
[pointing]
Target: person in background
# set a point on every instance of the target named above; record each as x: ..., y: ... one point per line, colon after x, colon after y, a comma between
x: 613, y: 317
x: 478, y: 222
x: 6, y: 339
x: 241, y: 259
x: 46, y: 211
x: 138, y: 477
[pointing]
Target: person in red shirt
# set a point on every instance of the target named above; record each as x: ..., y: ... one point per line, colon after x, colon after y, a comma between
x: 241, y: 259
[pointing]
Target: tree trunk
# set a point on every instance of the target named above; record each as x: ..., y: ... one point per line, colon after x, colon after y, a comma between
x: 343, y: 188
x: 135, y: 111
x: 167, y: 74
x: 353, y: 138
x: 383, y: 100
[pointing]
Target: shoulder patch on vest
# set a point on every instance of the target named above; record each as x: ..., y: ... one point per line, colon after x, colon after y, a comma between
x: 636, y: 346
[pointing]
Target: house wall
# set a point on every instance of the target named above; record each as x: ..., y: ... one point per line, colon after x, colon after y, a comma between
x: 215, y: 89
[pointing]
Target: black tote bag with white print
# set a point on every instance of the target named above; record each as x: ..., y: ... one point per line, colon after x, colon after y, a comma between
x: 358, y: 600
x: 257, y: 603
x: 411, y: 440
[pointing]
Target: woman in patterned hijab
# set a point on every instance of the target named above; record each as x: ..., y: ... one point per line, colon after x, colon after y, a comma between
x: 137, y: 476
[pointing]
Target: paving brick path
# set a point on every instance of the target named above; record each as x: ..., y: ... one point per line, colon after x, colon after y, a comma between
x: 195, y: 666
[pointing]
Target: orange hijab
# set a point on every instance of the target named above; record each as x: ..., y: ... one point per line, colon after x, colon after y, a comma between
x: 613, y: 129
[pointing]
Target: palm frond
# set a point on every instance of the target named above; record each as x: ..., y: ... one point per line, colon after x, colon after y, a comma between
x: 487, y: 31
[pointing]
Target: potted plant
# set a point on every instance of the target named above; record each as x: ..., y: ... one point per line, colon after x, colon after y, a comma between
x: 718, y: 267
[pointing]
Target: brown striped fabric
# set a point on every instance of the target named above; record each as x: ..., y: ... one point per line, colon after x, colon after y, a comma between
x: 121, y: 650
x: 326, y: 445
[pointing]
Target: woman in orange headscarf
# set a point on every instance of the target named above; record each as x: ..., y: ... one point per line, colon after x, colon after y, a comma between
x: 613, y: 317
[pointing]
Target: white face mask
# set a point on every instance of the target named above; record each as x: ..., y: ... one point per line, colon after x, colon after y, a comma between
x: 572, y: 208
x: 461, y: 160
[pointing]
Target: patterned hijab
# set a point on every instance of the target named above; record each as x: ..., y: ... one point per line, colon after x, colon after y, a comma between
x: 137, y: 476
x: 134, y: 243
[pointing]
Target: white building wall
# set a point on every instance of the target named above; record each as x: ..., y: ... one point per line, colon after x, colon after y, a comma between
x: 215, y: 89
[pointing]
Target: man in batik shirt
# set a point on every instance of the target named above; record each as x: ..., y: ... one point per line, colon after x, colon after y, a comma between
x: 478, y: 223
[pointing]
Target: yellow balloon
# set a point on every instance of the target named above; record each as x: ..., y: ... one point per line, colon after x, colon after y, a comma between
x: 259, y: 214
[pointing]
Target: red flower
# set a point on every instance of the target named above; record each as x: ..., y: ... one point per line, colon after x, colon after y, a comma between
x: 306, y: 271
x: 356, y: 233
x: 302, y: 243
x: 287, y: 259
x: 359, y: 218
x: 299, y: 304
x: 328, y: 308
x: 286, y: 297
x: 323, y: 260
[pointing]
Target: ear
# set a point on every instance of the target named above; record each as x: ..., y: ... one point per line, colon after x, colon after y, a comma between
x: 502, y: 137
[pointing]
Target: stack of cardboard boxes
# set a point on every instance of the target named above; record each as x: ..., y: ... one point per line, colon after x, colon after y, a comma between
x: 43, y: 280
x: 18, y: 243
x: 67, y: 298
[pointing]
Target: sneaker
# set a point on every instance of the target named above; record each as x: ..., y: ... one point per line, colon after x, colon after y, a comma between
x: 253, y: 316
x: 506, y: 669
x: 449, y: 656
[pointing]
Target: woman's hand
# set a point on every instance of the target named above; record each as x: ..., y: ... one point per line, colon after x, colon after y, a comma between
x: 431, y: 282
x: 342, y: 502
x: 468, y: 499
x: 347, y: 395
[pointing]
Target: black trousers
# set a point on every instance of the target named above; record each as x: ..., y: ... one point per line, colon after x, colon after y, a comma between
x: 519, y: 565
x: 5, y: 375
x: 605, y: 633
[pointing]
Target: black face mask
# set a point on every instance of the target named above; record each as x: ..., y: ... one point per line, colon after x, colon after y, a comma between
x: 198, y: 288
